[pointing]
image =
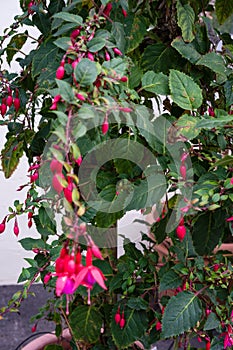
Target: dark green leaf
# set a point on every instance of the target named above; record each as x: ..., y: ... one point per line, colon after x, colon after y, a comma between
x: 211, y: 123
x: 228, y: 88
x: 96, y: 44
x: 118, y: 65
x: 65, y: 90
x: 30, y: 243
x: 69, y: 17
x: 119, y: 35
x: 170, y: 280
x: 55, y: 6
x: 42, y: 22
x: 156, y: 83
x: 53, y: 347
x: 43, y: 58
x: 224, y: 8
x: 182, y: 313
x: 15, y: 44
x: 135, y: 29
x: 214, y: 62
x: 137, y: 303
x: 85, y: 72
x: 184, y: 91
x: 11, y: 154
x: 86, y: 322
x: 63, y: 43
x: 186, y: 17
x: 207, y: 231
x: 212, y: 322
x: 187, y: 51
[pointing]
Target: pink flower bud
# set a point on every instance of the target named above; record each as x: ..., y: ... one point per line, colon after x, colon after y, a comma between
x: 211, y: 112
x: 90, y: 56
x: 183, y: 171
x: 47, y: 278
x: 117, y: 51
x: 184, y: 156
x: 122, y: 321
x: 55, y: 166
x: 75, y: 33
x: 79, y: 160
x: 35, y: 250
x: 57, y: 183
x: 105, y: 126
x: 34, y: 177
x: 57, y: 98
x: 181, y: 232
x: 125, y: 109
x: 60, y: 72
x: 3, y: 226
x: 107, y: 56
x: 158, y: 326
x: 107, y: 9
x: 16, y: 228
x: 80, y: 97
x: 30, y: 11
x: 53, y: 107
x: 30, y: 223
x: 96, y: 252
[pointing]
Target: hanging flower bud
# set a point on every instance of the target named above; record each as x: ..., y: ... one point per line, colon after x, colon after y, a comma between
x: 107, y: 56
x: 57, y: 183
x: 96, y: 252
x: 33, y: 329
x: 90, y: 56
x: 79, y: 160
x: 208, y: 345
x: 211, y: 112
x: 122, y: 321
x: 74, y: 34
x: 107, y: 10
x: 117, y: 51
x: 124, y: 12
x: 16, y: 104
x: 60, y: 72
x: 47, y: 278
x: 80, y: 97
x: 55, y: 166
x: 158, y: 326
x: 117, y: 316
x: 181, y: 232
x: 124, y: 79
x: 16, y: 228
x: 183, y: 171
x: 105, y: 126
x: 3, y: 225
x: 30, y: 223
x: 3, y: 109
x: 34, y: 176
x: 9, y: 100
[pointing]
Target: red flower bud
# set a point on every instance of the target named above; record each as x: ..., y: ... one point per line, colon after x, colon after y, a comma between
x: 117, y: 51
x: 75, y: 33
x: 107, y: 10
x: 57, y: 98
x: 33, y: 329
x: 9, y: 100
x: 30, y: 223
x: 34, y: 176
x: 56, y: 182
x: 105, y: 126
x: 181, y: 232
x: 117, y: 317
x: 125, y: 109
x: 16, y: 228
x: 55, y: 166
x: 60, y: 72
x: 211, y: 112
x: 125, y: 14
x: 96, y: 252
x: 208, y: 345
x: 124, y: 79
x: 3, y: 109
x: 79, y: 160
x: 53, y: 107
x: 122, y: 321
x: 16, y: 103
x: 158, y: 326
x: 3, y: 226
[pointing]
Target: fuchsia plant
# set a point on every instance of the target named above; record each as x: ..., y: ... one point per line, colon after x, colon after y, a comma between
x: 82, y: 111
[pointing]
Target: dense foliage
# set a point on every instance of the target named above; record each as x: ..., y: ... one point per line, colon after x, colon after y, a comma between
x: 120, y: 106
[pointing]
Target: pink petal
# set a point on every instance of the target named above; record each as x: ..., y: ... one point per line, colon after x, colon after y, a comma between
x: 98, y: 276
x: 80, y: 277
x: 230, y: 219
x: 60, y: 284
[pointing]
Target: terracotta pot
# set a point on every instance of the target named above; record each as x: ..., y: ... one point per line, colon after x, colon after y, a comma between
x: 48, y: 339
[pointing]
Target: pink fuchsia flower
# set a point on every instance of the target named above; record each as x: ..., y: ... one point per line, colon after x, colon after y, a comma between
x: 64, y: 285
x: 89, y: 275
x: 229, y: 219
x: 228, y: 338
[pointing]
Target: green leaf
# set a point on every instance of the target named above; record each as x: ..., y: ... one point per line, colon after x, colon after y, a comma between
x: 186, y: 18
x: 228, y: 88
x: 187, y: 126
x: 96, y: 44
x: 15, y: 44
x: 30, y: 243
x: 212, y: 322
x: 11, y: 154
x: 135, y: 327
x: 224, y: 8
x: 225, y: 161
x: 63, y: 43
x: 118, y: 65
x: 86, y: 72
x: 53, y: 347
x: 65, y: 90
x: 137, y: 303
x: 188, y: 51
x: 157, y: 57
x: 207, y: 231
x: 170, y: 280
x: 182, y: 313
x: 119, y: 34
x: 44, y: 57
x: 210, y: 123
x: 184, y: 91
x: 213, y: 61
x: 42, y: 22
x: 135, y: 29
x: 156, y: 83
x: 86, y: 322
x: 69, y: 17
x: 148, y: 192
